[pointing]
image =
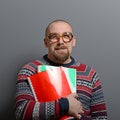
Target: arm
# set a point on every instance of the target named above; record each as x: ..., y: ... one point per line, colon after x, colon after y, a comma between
x: 98, y: 107
x: 26, y: 108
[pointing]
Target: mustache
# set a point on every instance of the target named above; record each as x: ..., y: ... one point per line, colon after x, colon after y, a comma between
x: 61, y: 47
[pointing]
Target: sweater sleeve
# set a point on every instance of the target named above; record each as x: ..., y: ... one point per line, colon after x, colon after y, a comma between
x: 26, y: 108
x: 64, y: 105
x: 98, y: 106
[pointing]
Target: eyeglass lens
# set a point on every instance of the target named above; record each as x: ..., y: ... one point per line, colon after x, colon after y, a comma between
x: 54, y: 37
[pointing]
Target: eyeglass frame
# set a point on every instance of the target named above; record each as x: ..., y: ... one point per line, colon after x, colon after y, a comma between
x: 60, y: 36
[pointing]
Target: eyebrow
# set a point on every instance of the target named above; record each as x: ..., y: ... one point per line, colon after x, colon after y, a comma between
x: 62, y: 33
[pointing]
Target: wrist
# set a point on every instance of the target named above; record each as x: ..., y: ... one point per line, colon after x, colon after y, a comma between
x: 64, y: 106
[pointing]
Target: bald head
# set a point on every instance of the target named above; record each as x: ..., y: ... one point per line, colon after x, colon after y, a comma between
x: 56, y: 21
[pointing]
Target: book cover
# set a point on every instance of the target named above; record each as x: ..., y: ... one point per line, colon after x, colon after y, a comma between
x: 70, y: 74
x: 52, y: 83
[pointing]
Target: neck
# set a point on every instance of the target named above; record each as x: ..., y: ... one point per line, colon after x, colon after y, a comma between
x: 59, y: 61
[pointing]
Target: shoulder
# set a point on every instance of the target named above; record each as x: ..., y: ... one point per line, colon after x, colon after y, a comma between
x: 33, y: 64
x: 85, y: 70
x: 82, y: 67
x: 28, y: 69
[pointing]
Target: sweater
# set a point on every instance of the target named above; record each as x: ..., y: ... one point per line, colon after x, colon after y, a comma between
x: 89, y: 90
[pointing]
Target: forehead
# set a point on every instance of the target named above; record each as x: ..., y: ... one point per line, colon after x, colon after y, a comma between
x: 59, y: 27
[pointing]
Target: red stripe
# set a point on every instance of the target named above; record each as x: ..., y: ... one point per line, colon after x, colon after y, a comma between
x: 24, y: 97
x: 57, y: 110
x: 81, y: 67
x: 97, y: 84
x: 29, y: 110
x: 87, y: 112
x: 23, y: 77
x: 30, y: 68
x: 36, y: 62
x: 98, y: 107
x: 88, y: 77
x: 84, y: 88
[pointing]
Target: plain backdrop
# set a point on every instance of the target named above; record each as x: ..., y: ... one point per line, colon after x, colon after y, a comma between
x: 96, y: 25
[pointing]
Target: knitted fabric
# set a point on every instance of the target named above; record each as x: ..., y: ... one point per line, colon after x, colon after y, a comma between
x: 89, y: 90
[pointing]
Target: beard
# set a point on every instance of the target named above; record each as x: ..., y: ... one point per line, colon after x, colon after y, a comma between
x: 62, y: 57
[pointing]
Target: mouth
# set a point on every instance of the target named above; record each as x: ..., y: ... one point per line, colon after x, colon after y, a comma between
x: 61, y: 49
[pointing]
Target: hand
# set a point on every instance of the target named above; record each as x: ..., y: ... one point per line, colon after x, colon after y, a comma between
x: 75, y: 106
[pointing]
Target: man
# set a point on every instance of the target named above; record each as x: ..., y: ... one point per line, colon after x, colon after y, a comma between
x: 87, y: 104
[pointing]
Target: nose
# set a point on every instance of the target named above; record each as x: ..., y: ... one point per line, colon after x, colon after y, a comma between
x: 61, y: 40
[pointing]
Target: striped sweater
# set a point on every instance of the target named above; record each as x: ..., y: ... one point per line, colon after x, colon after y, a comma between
x: 89, y: 90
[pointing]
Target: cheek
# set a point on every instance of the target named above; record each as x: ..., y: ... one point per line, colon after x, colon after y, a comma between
x: 51, y: 48
x: 73, y: 42
x: 70, y: 49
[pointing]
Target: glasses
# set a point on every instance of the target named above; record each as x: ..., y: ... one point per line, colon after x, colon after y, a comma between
x: 55, y: 37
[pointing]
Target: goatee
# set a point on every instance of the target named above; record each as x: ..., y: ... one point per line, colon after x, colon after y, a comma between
x: 61, y: 57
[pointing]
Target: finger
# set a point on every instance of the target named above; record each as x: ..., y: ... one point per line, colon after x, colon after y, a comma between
x: 75, y: 95
x: 78, y: 116
x: 81, y: 111
x: 81, y: 104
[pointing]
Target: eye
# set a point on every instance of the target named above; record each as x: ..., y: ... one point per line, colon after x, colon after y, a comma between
x: 66, y: 36
x: 53, y: 36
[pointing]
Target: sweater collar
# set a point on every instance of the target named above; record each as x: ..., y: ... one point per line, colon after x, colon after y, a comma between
x: 56, y: 64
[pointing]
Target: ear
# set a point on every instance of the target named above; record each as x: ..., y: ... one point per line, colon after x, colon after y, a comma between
x: 74, y: 41
x: 45, y: 42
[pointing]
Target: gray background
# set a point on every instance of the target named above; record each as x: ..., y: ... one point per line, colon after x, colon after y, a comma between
x: 96, y: 24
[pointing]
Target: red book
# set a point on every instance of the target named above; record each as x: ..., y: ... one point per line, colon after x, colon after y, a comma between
x: 51, y: 84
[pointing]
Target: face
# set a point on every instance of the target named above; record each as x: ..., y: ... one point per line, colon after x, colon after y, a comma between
x: 59, y: 51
